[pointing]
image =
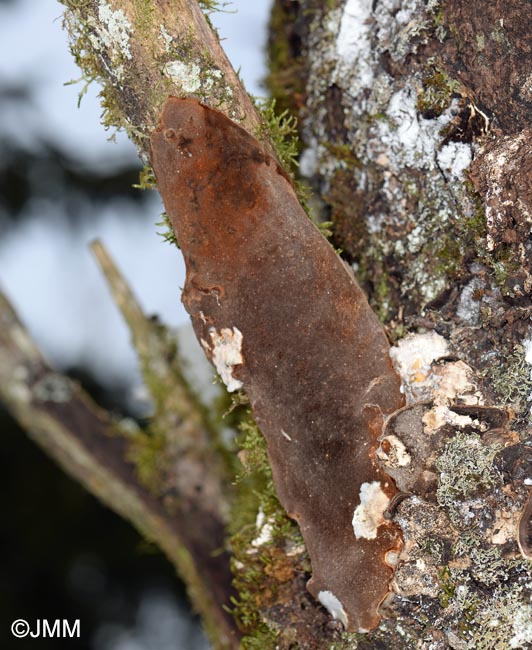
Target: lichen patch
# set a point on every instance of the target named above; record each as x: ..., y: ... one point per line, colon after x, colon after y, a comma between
x: 353, y: 45
x: 333, y: 605
x: 395, y: 129
x: 369, y: 514
x: 522, y: 627
x: 527, y: 344
x: 184, y: 75
x: 226, y: 353
x: 468, y: 309
x: 112, y: 32
x: 166, y: 38
x: 454, y: 158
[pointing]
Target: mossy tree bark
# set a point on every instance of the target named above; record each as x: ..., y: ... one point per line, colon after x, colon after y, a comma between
x: 416, y: 126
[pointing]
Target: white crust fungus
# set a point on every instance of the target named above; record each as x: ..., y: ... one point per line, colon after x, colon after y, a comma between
x: 333, y: 606
x: 413, y: 357
x: 226, y: 353
x: 444, y: 383
x: 396, y: 455
x: 369, y: 515
x: 264, y: 528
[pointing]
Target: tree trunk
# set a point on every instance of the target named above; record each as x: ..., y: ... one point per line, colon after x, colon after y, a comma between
x: 416, y: 121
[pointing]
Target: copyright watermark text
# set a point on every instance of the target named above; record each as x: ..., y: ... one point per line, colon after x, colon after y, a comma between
x: 59, y: 628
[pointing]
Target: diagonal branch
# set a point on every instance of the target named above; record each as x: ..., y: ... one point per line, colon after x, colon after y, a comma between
x: 88, y: 445
x: 142, y: 52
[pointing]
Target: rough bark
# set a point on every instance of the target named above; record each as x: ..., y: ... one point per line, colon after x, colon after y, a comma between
x: 416, y: 128
x: 142, y: 51
x: 421, y: 156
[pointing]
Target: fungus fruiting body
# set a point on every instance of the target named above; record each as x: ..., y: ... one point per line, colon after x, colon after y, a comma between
x: 279, y: 314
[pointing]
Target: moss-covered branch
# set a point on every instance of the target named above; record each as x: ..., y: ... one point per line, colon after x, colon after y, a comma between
x: 95, y: 450
x: 142, y: 51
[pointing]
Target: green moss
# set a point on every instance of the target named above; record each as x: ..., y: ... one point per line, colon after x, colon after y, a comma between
x: 167, y: 231
x: 437, y: 14
x: 447, y: 587
x: 263, y: 638
x: 281, y: 129
x: 437, y: 92
x: 255, y: 486
x: 382, y: 297
x: 146, y: 179
x: 146, y: 451
x: 259, y: 574
x: 144, y: 11
x: 211, y: 6
x: 344, y: 153
x: 467, y: 241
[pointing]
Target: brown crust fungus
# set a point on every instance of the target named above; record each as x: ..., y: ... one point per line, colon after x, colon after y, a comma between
x: 279, y: 314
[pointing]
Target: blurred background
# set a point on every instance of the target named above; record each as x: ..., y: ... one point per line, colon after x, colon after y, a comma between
x: 63, y: 183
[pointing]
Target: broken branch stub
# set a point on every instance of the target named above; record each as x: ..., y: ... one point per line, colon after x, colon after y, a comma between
x: 279, y: 314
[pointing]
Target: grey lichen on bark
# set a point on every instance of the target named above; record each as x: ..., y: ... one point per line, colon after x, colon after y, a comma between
x: 142, y: 51
x: 427, y: 182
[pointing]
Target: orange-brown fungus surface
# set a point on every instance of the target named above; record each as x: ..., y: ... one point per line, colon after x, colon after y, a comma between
x: 280, y: 315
